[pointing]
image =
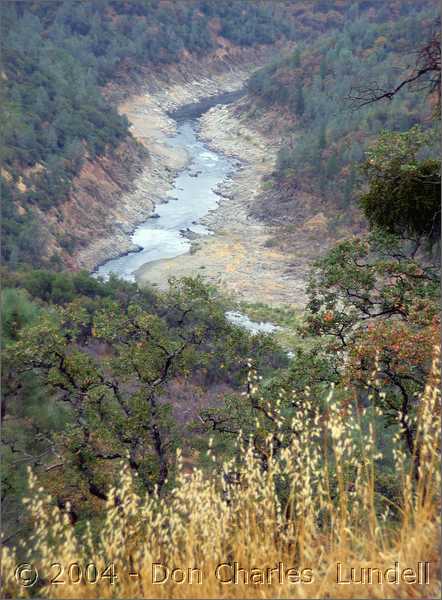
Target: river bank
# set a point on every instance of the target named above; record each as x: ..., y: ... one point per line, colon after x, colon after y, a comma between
x: 147, y: 110
x: 166, y: 233
x: 238, y: 257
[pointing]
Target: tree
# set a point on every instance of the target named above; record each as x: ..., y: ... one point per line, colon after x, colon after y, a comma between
x: 322, y: 136
x: 375, y: 304
x: 115, y: 404
x: 299, y: 101
x: 17, y: 311
x: 404, y: 192
x: 332, y: 166
x: 323, y: 70
x: 426, y: 72
x: 295, y: 59
x: 392, y: 360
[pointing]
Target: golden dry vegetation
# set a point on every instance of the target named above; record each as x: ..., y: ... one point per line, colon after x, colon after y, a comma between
x: 311, y: 506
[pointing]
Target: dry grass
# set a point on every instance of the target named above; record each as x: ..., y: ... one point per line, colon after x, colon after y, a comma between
x: 328, y: 516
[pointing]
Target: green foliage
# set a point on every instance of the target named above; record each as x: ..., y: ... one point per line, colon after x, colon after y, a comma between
x: 56, y: 57
x: 313, y: 85
x: 59, y: 288
x: 21, y: 236
x: 375, y: 303
x: 52, y: 118
x: 101, y: 357
x: 17, y: 311
x: 404, y: 192
x: 376, y: 277
x: 299, y: 102
x: 248, y: 24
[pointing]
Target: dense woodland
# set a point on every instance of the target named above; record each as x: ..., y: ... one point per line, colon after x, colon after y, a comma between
x: 57, y: 56
x: 99, y: 374
x: 326, y: 132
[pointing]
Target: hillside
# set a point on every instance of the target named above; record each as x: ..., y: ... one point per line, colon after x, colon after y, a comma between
x: 307, y: 96
x: 58, y: 57
x: 66, y: 57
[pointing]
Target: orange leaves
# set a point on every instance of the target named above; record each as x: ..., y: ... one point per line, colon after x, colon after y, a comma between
x: 328, y: 316
x: 401, y: 345
x: 380, y: 41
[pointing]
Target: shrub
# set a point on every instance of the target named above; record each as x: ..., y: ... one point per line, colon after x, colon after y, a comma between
x: 309, y: 506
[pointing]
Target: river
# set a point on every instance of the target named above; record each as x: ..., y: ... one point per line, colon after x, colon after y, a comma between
x: 193, y: 196
x: 165, y: 234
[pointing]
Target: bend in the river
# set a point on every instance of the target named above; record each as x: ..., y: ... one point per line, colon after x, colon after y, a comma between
x: 163, y: 235
x: 166, y: 233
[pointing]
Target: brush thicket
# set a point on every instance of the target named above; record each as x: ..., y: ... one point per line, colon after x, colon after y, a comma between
x: 313, y: 505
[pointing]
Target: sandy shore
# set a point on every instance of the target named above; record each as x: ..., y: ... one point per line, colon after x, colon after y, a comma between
x: 237, y: 257
x: 150, y: 125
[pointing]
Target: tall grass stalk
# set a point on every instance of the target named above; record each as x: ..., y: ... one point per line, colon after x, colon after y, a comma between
x: 311, y: 504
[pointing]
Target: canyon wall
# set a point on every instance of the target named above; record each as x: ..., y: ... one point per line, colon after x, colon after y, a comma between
x: 114, y: 193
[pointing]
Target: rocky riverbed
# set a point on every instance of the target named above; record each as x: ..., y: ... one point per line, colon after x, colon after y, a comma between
x: 148, y: 113
x: 241, y: 256
x: 238, y: 257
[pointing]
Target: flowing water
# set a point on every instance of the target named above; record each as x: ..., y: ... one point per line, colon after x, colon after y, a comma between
x: 241, y: 320
x: 193, y: 196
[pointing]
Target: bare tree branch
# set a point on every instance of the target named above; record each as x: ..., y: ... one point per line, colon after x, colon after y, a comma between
x: 428, y: 66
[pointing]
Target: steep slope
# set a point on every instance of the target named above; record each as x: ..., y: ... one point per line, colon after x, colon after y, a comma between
x: 59, y: 131
x: 57, y: 128
x: 306, y: 96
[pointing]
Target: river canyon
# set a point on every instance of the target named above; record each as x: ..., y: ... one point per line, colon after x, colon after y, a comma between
x: 193, y: 210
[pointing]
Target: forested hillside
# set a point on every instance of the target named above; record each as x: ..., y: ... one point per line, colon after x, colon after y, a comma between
x: 312, y: 93
x: 57, y: 56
